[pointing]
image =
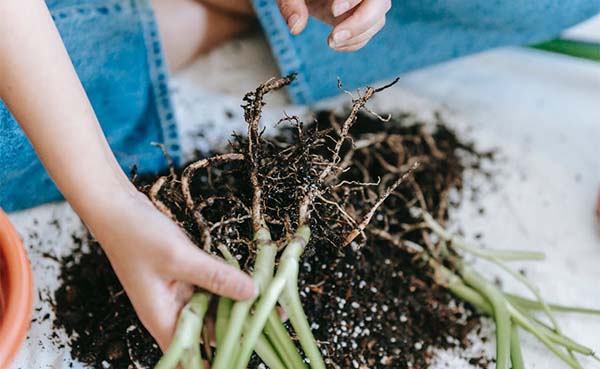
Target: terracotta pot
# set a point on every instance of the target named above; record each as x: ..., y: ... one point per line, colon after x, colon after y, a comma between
x: 15, y: 291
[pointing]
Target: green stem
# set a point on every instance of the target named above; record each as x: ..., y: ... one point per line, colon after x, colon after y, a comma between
x: 496, y: 260
x: 290, y: 299
x: 550, y: 336
x: 222, y: 320
x: 518, y: 276
x: 473, y: 297
x: 558, y: 338
x: 267, y: 353
x: 535, y: 305
x: 225, y: 305
x: 288, y: 266
x: 229, y: 258
x: 263, y: 272
x: 565, y: 341
x: 579, y: 49
x: 282, y: 342
x: 501, y: 314
x: 458, y: 288
x: 543, y: 332
x: 507, y: 255
x: 522, y: 320
x: 455, y: 284
x: 516, y: 356
x: 192, y: 359
x: 187, y: 332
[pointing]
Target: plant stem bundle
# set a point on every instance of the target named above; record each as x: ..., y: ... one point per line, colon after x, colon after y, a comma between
x: 510, y: 312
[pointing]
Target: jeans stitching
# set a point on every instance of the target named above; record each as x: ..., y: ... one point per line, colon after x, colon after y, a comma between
x: 284, y: 49
x: 159, y: 78
x: 155, y: 60
x: 83, y: 11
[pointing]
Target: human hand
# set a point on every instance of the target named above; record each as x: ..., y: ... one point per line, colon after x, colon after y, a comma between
x: 159, y: 266
x: 354, y: 22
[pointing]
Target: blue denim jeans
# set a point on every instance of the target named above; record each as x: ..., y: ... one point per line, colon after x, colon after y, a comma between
x: 417, y: 33
x: 116, y: 51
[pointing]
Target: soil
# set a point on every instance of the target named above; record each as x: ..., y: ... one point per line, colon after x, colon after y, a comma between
x: 92, y: 307
x: 372, y: 304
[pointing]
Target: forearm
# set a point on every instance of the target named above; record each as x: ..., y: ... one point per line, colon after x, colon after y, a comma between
x: 40, y: 87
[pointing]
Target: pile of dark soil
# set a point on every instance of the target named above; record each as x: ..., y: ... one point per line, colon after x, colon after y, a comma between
x: 371, y: 304
x: 92, y: 307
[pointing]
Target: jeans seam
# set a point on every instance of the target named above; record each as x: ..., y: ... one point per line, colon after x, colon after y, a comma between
x: 157, y: 67
x: 156, y: 63
x: 83, y: 11
x: 284, y: 50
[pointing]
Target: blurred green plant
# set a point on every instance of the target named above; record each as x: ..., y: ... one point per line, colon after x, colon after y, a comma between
x: 579, y: 49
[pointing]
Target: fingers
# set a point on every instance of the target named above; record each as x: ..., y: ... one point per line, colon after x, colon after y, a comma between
x: 366, y: 20
x: 158, y: 309
x: 361, y: 40
x: 339, y: 7
x: 295, y: 14
x: 198, y: 268
x: 161, y: 327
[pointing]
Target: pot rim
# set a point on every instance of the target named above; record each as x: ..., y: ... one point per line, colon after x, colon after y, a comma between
x: 18, y: 290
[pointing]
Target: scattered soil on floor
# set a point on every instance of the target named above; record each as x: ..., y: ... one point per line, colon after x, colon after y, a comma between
x: 372, y: 305
x: 92, y: 307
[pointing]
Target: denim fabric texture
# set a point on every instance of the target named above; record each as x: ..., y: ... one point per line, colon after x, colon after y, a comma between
x: 418, y: 33
x: 116, y: 51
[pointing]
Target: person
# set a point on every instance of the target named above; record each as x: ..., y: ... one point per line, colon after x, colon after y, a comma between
x: 84, y: 90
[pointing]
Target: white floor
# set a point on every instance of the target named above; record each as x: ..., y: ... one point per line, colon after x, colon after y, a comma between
x: 542, y: 111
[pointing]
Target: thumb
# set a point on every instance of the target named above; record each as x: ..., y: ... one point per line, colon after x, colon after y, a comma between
x: 203, y: 270
x: 295, y: 13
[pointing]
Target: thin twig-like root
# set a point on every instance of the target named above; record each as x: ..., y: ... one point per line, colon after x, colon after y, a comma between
x: 357, y: 104
x: 410, y: 247
x: 332, y: 167
x: 163, y: 148
x: 252, y: 114
x: 367, y: 219
x: 239, y: 220
x: 203, y: 225
x: 153, y: 195
x: 343, y: 212
x: 205, y: 237
x: 435, y: 152
x: 186, y: 180
x: 385, y: 119
x: 190, y: 170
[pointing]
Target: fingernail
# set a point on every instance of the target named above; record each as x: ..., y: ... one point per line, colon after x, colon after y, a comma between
x: 339, y: 38
x: 294, y: 23
x: 341, y: 8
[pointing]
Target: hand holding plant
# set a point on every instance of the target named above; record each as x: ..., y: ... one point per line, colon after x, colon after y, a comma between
x: 159, y: 266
